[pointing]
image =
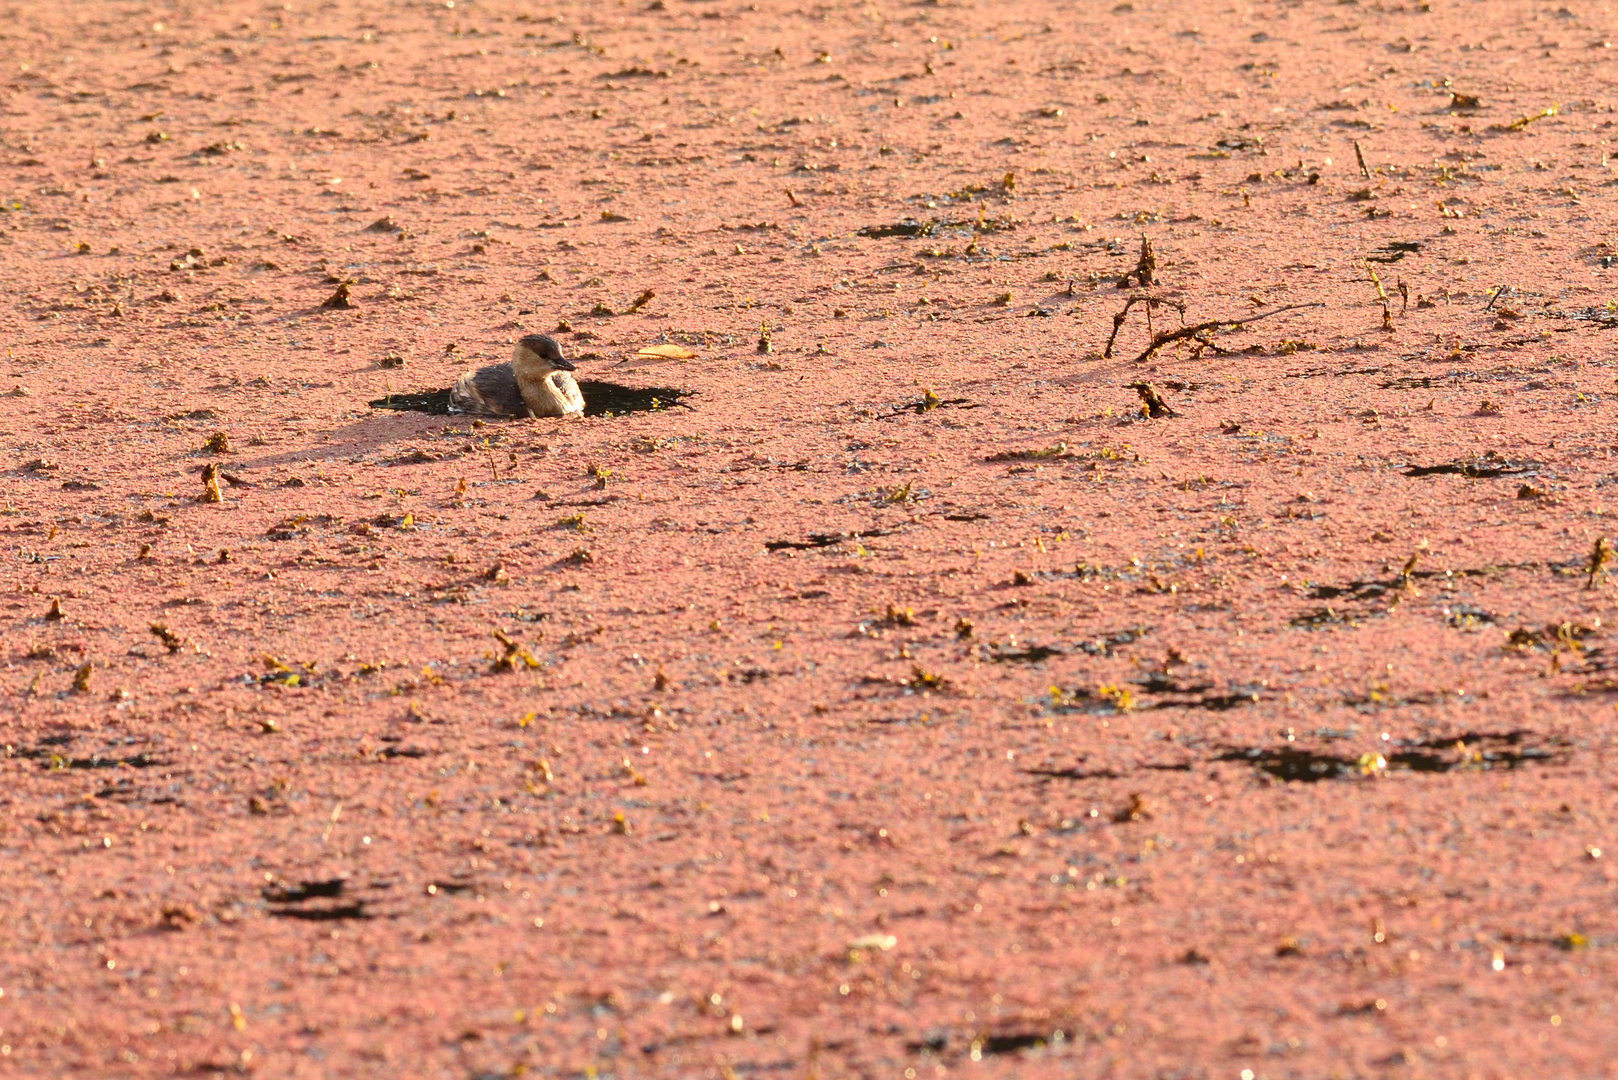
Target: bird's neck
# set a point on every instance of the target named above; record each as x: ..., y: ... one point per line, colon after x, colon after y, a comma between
x: 545, y: 389
x: 537, y: 384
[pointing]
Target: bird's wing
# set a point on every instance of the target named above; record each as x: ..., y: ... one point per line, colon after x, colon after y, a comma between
x: 490, y: 391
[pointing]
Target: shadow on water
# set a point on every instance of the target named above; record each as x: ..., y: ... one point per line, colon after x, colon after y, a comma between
x: 1470, y: 751
x: 600, y: 399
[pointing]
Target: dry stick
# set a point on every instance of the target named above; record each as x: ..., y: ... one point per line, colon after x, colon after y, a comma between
x: 1152, y: 403
x: 211, y: 492
x: 1523, y: 121
x: 1145, y: 272
x: 1599, y: 558
x: 1169, y: 337
x: 1360, y: 156
x: 1150, y: 302
x: 1381, y: 293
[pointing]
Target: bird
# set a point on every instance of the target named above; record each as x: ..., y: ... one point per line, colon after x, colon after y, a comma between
x: 535, y: 382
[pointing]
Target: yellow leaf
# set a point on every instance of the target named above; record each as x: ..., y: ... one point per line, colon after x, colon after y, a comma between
x: 665, y: 352
x: 884, y: 942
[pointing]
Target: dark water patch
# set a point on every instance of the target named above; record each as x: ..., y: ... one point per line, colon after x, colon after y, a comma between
x: 1467, y: 616
x: 294, y: 901
x: 928, y: 402
x: 1393, y: 251
x: 1557, y: 637
x: 1170, y: 693
x: 821, y: 540
x: 1291, y: 763
x: 1315, y: 373
x: 614, y: 399
x: 1212, y: 702
x: 1074, y: 773
x: 336, y: 913
x: 51, y: 759
x: 1356, y: 590
x: 1330, y: 616
x: 1106, y: 643
x: 600, y: 399
x: 1426, y: 382
x: 1078, y: 773
x: 999, y: 653
x: 908, y: 227
x: 1011, y: 1042
x: 1604, y: 317
x: 1040, y: 453
x: 1478, y: 751
x: 1376, y: 588
x: 306, y: 890
x: 435, y: 402
x: 1487, y: 467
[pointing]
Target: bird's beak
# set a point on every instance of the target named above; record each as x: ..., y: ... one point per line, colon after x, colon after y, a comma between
x: 563, y: 364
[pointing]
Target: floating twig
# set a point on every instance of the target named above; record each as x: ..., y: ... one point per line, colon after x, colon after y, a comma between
x: 1523, y: 121
x: 210, y: 485
x: 1600, y: 556
x: 1150, y: 302
x: 515, y: 657
x: 1151, y: 402
x: 1381, y: 293
x: 1145, y: 272
x: 339, y: 300
x: 1198, y: 332
x: 171, y: 641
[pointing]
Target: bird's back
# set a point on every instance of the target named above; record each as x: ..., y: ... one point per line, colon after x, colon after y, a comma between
x: 490, y: 391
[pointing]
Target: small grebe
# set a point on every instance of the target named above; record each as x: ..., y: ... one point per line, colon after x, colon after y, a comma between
x: 534, y: 383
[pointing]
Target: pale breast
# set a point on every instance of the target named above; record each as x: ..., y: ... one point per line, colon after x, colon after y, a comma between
x: 568, y: 390
x: 553, y: 393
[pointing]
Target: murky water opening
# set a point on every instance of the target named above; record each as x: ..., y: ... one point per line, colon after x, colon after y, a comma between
x: 600, y: 399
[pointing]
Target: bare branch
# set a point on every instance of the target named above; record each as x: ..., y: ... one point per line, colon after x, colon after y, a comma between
x: 1198, y: 332
x: 1150, y: 302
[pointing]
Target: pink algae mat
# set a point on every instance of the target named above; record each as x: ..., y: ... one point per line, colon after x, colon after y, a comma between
x: 901, y: 696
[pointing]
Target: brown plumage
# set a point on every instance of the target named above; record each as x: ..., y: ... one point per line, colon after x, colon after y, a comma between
x: 535, y: 382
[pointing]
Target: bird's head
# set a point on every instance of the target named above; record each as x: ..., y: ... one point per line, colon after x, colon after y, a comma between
x: 540, y: 352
